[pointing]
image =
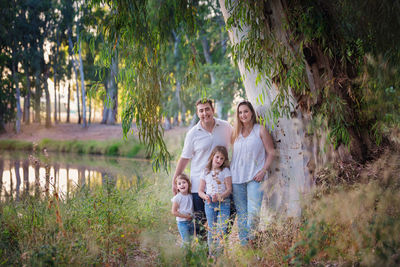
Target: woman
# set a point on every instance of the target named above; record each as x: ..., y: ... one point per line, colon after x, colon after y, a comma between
x: 253, y: 152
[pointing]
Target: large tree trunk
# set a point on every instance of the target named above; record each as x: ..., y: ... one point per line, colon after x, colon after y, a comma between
x: 289, y: 175
x: 82, y: 84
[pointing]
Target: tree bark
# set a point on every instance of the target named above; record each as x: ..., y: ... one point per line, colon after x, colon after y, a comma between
x: 70, y: 46
x: 59, y: 100
x: 55, y: 69
x: 18, y: 100
x: 111, y: 99
x: 48, y: 104
x: 82, y: 84
x: 69, y: 101
x: 27, y: 99
x: 38, y: 94
x: 289, y: 175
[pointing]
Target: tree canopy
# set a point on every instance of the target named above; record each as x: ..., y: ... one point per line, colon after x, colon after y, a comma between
x: 352, y: 46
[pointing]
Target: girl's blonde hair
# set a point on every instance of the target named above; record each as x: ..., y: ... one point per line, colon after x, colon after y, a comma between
x: 186, y: 178
x: 224, y: 152
x: 238, y: 125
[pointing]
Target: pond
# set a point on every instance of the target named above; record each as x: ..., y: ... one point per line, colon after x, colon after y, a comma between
x: 24, y: 173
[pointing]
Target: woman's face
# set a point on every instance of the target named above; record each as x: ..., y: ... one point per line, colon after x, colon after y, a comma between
x: 245, y: 114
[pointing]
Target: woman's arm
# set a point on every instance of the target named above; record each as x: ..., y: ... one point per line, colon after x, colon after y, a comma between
x: 202, y: 188
x: 176, y: 213
x: 269, y: 148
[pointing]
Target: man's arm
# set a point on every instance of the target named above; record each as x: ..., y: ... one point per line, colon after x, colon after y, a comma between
x: 180, y: 167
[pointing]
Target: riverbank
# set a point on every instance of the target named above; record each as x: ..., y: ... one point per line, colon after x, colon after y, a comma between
x: 97, y: 139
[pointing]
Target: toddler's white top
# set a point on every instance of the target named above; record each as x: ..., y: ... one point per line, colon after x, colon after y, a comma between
x: 215, y: 181
x: 248, y: 156
x: 185, y: 203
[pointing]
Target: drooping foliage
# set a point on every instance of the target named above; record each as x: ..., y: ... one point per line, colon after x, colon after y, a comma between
x: 340, y: 59
x: 145, y: 33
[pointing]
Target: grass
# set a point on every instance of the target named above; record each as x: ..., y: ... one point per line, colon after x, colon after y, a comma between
x: 348, y: 222
x: 97, y: 226
x: 124, y: 148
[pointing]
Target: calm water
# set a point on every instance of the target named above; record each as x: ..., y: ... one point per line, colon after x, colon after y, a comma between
x: 28, y: 173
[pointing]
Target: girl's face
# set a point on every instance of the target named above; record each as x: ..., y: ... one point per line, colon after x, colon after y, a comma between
x: 183, y: 186
x: 218, y: 160
x: 245, y: 114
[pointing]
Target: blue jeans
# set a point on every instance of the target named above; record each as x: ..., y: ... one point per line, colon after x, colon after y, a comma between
x: 186, y: 230
x: 248, y: 198
x: 217, y: 219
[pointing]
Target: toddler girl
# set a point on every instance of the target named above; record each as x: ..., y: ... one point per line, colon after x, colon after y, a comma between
x: 182, y: 208
x: 215, y: 188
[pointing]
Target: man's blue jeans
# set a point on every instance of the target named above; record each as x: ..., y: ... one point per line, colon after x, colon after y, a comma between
x: 217, y: 219
x: 200, y: 217
x: 186, y: 229
x: 248, y: 198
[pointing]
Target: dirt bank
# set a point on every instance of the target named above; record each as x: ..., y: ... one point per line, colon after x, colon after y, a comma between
x: 35, y: 132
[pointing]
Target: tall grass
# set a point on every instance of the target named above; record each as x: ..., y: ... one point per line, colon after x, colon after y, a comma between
x: 101, y: 225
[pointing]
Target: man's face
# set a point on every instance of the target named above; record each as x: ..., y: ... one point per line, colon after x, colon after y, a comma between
x: 205, y: 112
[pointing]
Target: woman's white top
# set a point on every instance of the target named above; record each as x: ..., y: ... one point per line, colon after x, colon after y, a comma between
x: 215, y: 180
x: 248, y: 156
x: 185, y: 203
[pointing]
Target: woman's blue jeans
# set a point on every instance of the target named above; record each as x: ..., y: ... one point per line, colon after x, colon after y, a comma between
x: 186, y: 229
x: 217, y: 219
x: 248, y: 198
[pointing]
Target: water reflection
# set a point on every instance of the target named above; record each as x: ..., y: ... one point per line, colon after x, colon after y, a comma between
x: 22, y: 174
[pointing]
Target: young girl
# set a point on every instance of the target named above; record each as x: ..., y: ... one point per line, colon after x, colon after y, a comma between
x: 182, y: 208
x: 217, y: 183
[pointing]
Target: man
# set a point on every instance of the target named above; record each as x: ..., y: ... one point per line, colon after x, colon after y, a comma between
x: 199, y: 142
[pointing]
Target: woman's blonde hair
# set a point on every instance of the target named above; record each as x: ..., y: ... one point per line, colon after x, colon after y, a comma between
x: 224, y: 152
x: 238, y: 125
x: 183, y: 176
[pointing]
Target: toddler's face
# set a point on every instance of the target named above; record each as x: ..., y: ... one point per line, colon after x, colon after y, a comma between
x: 182, y: 185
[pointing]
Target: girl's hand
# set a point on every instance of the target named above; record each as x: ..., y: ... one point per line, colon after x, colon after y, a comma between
x: 215, y: 198
x: 260, y: 175
x: 220, y: 198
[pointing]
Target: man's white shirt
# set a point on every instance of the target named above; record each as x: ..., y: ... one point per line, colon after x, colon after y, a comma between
x: 198, y: 146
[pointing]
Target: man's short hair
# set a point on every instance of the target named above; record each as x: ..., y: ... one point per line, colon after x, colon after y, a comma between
x: 205, y: 101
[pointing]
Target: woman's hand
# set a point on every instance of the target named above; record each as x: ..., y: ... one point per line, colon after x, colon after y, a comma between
x: 215, y: 198
x: 260, y: 175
